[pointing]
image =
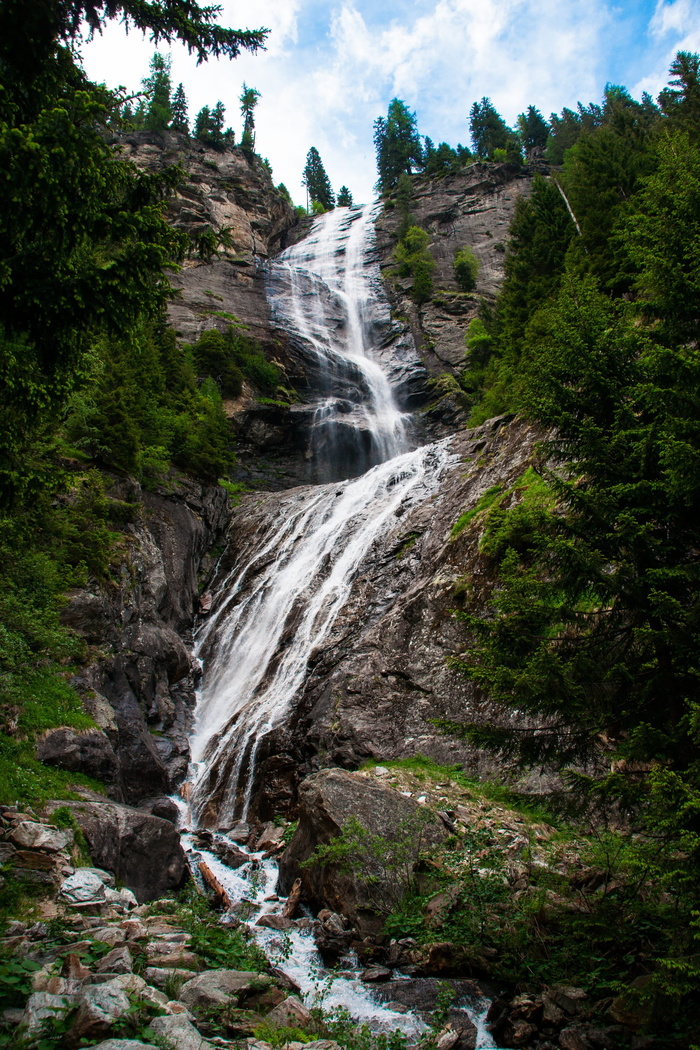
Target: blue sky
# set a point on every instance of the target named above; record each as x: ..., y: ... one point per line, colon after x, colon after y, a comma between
x: 331, y: 68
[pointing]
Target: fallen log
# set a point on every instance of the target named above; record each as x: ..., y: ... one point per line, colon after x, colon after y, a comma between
x: 214, y: 884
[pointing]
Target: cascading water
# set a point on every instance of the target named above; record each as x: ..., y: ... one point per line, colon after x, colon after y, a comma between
x: 278, y: 603
x: 325, y: 292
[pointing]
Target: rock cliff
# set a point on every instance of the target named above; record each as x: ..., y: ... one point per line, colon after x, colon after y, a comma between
x: 139, y: 682
x: 472, y: 208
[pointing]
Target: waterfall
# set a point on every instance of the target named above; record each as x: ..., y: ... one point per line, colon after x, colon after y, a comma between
x: 300, y: 554
x: 278, y: 604
x: 325, y: 292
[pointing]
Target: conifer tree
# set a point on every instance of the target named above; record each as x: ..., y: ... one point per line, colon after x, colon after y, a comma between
x: 249, y: 100
x: 180, y: 119
x: 316, y: 181
x: 397, y: 144
x: 344, y: 197
x: 533, y: 129
x: 490, y: 133
x: 158, y: 110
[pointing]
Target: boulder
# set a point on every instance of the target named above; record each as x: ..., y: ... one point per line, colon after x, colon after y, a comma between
x: 291, y: 1013
x: 124, y: 1044
x: 219, y: 987
x: 229, y: 855
x: 119, y: 960
x: 40, y: 1010
x: 99, y: 1007
x: 143, y: 851
x: 162, y: 807
x: 30, y: 835
x: 239, y: 832
x: 178, y: 1033
x: 275, y: 922
x: 83, y: 889
x: 326, y: 802
x: 87, y: 751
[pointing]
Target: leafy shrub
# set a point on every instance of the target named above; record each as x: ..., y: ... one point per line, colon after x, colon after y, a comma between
x: 414, y: 260
x: 466, y: 267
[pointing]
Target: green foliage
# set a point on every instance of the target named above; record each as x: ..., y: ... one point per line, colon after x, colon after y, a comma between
x: 397, y: 144
x: 414, y: 260
x: 383, y: 865
x: 249, y: 100
x: 443, y: 159
x: 317, y: 182
x: 157, y: 88
x: 466, y: 266
x: 344, y: 197
x: 219, y: 947
x: 280, y: 1036
x: 179, y: 113
x: 16, y: 980
x: 533, y: 130
x: 482, y: 504
x: 490, y: 133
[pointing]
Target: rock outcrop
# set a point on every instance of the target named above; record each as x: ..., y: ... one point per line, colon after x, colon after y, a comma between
x: 230, y: 192
x: 384, y: 674
x: 327, y: 802
x: 142, y: 851
x: 139, y: 684
x: 473, y: 209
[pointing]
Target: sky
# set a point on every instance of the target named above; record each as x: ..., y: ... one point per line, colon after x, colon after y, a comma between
x: 331, y: 68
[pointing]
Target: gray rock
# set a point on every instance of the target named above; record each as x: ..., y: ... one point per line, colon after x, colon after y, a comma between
x: 99, y: 1006
x: 326, y: 801
x: 82, y: 889
x: 239, y: 833
x: 290, y: 1013
x: 275, y: 922
x: 179, y: 1033
x: 119, y: 960
x: 87, y: 751
x: 220, y: 986
x: 124, y: 1044
x: 142, y: 851
x: 40, y: 1008
x: 29, y: 835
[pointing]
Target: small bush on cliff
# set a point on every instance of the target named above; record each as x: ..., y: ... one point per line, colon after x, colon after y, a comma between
x: 466, y: 267
x: 384, y: 866
x: 414, y: 260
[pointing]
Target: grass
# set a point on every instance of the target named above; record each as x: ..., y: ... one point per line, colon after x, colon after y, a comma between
x: 483, y: 504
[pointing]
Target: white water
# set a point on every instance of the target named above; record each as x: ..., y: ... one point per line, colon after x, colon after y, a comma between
x: 281, y: 599
x: 325, y: 293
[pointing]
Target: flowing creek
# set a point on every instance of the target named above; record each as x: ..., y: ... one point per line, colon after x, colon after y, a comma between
x: 277, y: 603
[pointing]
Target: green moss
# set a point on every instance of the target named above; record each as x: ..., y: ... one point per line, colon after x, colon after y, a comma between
x: 483, y: 504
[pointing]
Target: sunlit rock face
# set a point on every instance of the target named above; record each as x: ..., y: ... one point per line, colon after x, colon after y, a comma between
x: 472, y: 208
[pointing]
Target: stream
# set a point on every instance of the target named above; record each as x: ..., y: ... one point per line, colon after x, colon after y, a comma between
x: 277, y: 603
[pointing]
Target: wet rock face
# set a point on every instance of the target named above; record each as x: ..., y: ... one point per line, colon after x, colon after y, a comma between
x: 470, y: 209
x: 141, y: 690
x: 383, y: 675
x: 327, y: 801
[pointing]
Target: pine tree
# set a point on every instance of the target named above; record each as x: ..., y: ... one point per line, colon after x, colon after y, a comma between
x: 180, y: 120
x: 316, y: 181
x: 202, y: 124
x: 344, y: 197
x: 491, y: 135
x: 158, y: 110
x: 249, y: 100
x: 533, y: 130
x: 397, y: 144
